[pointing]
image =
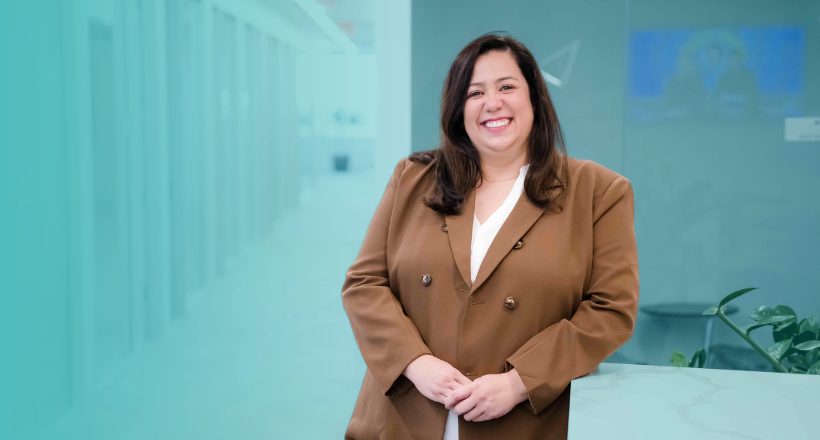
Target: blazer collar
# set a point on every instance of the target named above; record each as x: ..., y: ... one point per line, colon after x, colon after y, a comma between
x: 520, y: 221
x: 460, y: 233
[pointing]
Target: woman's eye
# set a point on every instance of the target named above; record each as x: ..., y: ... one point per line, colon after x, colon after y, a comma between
x: 504, y: 87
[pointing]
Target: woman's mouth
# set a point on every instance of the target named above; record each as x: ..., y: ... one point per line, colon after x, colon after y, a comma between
x: 497, y: 125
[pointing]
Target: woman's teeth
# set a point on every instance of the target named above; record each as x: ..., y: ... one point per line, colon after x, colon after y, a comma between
x: 498, y: 123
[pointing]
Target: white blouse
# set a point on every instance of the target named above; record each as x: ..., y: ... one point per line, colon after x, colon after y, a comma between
x: 483, y: 235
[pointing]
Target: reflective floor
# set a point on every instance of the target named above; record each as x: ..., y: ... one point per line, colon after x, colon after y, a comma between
x: 268, y: 353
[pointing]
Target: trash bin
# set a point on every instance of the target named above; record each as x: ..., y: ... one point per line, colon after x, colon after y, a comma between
x: 340, y: 162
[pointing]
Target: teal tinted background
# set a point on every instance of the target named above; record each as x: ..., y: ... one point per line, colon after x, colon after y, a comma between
x: 175, y: 232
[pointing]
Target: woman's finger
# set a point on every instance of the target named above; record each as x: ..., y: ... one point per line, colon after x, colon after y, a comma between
x: 474, y: 415
x: 465, y: 405
x: 462, y: 379
x: 457, y: 396
x: 486, y: 415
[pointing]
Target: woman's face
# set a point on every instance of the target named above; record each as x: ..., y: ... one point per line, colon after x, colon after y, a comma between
x: 498, y: 113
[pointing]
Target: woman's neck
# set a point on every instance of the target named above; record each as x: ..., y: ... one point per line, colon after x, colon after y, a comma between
x: 502, y: 167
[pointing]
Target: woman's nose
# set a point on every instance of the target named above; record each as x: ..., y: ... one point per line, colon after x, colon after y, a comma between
x: 493, y: 102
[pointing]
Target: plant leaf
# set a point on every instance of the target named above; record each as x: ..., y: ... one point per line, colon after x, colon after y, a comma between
x: 806, y: 346
x: 785, y: 331
x: 799, y: 360
x: 734, y: 295
x: 779, y: 348
x: 796, y: 370
x: 771, y: 320
x: 811, y: 324
x: 803, y: 337
x: 814, y: 369
x: 775, y: 320
x: 762, y: 312
x: 711, y: 311
x: 812, y: 357
x: 790, y: 351
x: 785, y: 311
x: 786, y: 322
x: 698, y: 358
x: 678, y: 359
x: 702, y: 358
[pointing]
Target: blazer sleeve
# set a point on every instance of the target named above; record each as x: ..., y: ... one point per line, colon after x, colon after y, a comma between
x: 605, y: 319
x: 387, y: 338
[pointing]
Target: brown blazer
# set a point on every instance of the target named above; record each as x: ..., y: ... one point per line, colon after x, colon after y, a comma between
x: 573, y: 274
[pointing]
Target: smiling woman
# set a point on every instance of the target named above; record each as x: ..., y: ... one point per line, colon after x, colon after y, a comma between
x: 495, y: 270
x: 497, y: 112
x: 497, y: 115
x: 498, y: 119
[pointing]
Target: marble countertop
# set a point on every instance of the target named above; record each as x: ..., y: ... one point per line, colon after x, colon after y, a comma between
x: 621, y: 401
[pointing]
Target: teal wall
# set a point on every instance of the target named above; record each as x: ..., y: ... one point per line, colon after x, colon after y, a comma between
x: 147, y: 145
x: 35, y: 232
x: 720, y: 203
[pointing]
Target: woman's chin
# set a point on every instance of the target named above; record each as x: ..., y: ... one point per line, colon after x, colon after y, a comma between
x: 498, y: 145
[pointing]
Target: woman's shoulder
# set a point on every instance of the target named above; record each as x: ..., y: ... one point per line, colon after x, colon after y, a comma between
x: 583, y: 172
x: 418, y: 164
x: 412, y: 172
x: 423, y: 157
x: 593, y: 183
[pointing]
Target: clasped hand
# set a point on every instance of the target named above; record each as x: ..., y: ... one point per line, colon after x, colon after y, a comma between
x: 486, y: 398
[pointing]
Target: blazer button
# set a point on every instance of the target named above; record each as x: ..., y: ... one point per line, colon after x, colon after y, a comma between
x: 426, y: 279
x: 444, y: 228
x: 518, y: 244
x: 510, y: 302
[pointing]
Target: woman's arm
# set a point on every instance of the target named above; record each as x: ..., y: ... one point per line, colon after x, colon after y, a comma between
x: 606, y: 317
x: 387, y: 338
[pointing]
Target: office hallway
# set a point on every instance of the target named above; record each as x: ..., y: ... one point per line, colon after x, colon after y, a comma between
x: 268, y: 353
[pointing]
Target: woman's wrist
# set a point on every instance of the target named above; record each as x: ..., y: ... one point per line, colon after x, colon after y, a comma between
x: 518, y: 387
x: 415, y: 362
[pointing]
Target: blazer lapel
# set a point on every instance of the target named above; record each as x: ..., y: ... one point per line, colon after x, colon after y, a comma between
x: 460, y: 233
x: 521, y: 219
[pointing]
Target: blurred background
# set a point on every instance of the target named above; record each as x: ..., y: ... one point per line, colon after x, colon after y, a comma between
x: 184, y: 184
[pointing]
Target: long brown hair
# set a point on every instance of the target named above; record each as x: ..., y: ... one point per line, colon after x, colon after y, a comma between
x: 456, y: 162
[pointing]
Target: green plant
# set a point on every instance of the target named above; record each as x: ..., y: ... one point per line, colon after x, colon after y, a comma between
x: 797, y: 342
x: 679, y: 359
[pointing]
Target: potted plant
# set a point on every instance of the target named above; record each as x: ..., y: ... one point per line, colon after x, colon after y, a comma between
x: 796, y: 347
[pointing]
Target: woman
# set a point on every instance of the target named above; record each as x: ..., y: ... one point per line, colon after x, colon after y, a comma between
x: 495, y: 270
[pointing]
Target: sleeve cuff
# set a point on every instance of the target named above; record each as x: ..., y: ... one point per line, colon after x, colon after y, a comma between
x: 529, y: 384
x: 401, y: 383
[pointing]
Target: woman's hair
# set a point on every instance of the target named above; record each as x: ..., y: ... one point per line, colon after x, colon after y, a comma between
x: 456, y: 162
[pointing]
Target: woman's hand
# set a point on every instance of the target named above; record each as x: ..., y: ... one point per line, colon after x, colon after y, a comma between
x: 434, y: 378
x: 488, y: 397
